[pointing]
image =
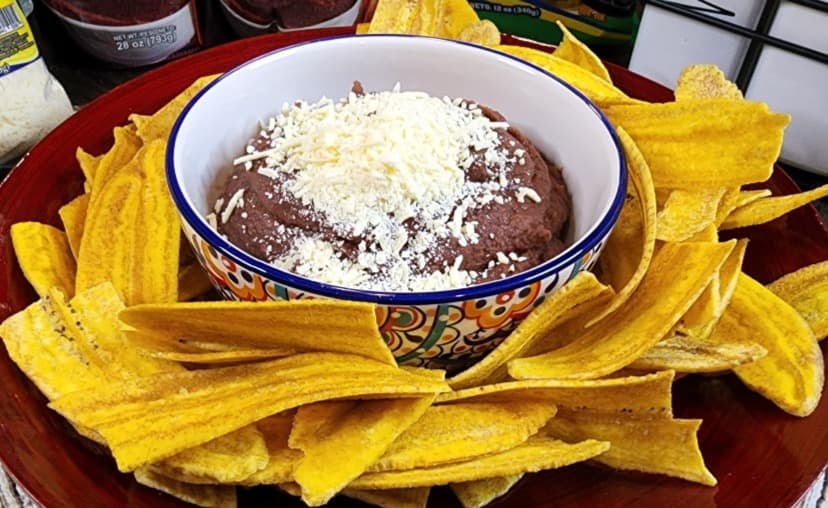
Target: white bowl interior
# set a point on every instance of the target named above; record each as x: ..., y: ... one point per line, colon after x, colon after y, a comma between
x: 563, y: 126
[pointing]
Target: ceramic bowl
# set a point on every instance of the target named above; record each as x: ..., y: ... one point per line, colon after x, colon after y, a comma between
x: 442, y: 329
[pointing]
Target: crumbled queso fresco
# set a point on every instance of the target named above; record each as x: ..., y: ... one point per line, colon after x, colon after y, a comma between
x: 393, y: 191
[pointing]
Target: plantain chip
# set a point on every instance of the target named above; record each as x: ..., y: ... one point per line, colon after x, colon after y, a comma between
x: 630, y: 247
x: 705, y: 312
x: 465, y: 430
x: 766, y: 209
x: 662, y: 446
x: 537, y: 453
x: 427, y: 19
x: 208, y: 496
x: 704, y: 142
x: 44, y: 256
x: 677, y: 275
x: 89, y: 165
x: 479, y: 493
x: 108, y: 247
x: 482, y: 32
x: 575, y: 51
x: 687, y: 212
x: 37, y: 341
x: 227, y: 459
x: 158, y: 234
x: 791, y: 375
x: 304, y: 325
x: 149, y: 419
x: 365, y: 428
x: 73, y: 216
x: 282, y: 459
x: 806, y: 290
x: 683, y: 353
x: 393, y: 17
x: 207, y: 357
x: 160, y: 123
x: 598, y: 90
x: 456, y: 16
x: 193, y: 282
x: 640, y: 396
x: 705, y: 82
x: 580, y: 295
x: 123, y: 150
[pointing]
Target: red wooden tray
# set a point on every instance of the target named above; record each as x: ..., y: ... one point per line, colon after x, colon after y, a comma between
x: 761, y: 456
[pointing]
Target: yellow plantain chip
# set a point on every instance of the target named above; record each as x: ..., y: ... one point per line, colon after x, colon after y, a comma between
x: 148, y: 419
x: 73, y: 216
x: 705, y: 82
x: 44, y: 256
x: 124, y: 148
x: 767, y: 209
x: 727, y: 203
x: 227, y: 459
x: 37, y: 342
x: 536, y: 454
x: 598, y: 90
x: 159, y: 125
x: 456, y: 16
x: 393, y: 17
x: 108, y: 247
x: 282, y: 459
x: 159, y: 233
x: 362, y: 28
x: 806, y: 290
x: 132, y: 233
x: 709, y: 234
x: 705, y: 312
x: 646, y: 396
x: 686, y: 353
x: 89, y: 166
x: 459, y: 432
x: 791, y: 375
x: 677, y: 275
x: 97, y: 309
x: 662, y: 446
x: 687, y: 212
x: 392, y: 498
x: 704, y: 142
x: 749, y: 196
x: 208, y: 496
x: 629, y: 249
x: 305, y: 325
x: 479, y: 493
x: 366, y: 430
x: 193, y: 282
x: 573, y: 50
x: 427, y: 19
x: 482, y: 32
x: 580, y: 295
x: 222, y: 357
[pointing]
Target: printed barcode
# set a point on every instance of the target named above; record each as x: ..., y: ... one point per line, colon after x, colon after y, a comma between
x: 9, y: 20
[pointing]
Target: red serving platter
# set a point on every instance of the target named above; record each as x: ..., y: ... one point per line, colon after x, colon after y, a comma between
x: 761, y: 456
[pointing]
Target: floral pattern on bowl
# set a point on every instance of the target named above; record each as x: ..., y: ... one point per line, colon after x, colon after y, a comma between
x: 449, y: 336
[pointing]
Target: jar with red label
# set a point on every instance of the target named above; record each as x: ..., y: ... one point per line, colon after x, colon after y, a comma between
x: 134, y: 33
x: 251, y: 17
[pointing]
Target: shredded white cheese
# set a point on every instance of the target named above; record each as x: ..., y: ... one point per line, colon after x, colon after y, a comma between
x: 370, y: 163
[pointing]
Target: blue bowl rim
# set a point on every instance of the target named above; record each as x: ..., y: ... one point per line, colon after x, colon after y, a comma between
x: 487, y: 289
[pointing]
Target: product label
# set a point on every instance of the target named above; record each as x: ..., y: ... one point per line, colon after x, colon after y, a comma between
x: 17, y: 44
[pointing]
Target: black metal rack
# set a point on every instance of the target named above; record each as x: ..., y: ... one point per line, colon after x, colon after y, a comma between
x: 758, y: 37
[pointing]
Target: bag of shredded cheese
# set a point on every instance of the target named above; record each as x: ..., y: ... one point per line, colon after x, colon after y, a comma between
x: 32, y: 101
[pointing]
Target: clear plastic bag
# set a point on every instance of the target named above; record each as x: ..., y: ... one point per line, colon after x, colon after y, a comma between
x: 33, y: 101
